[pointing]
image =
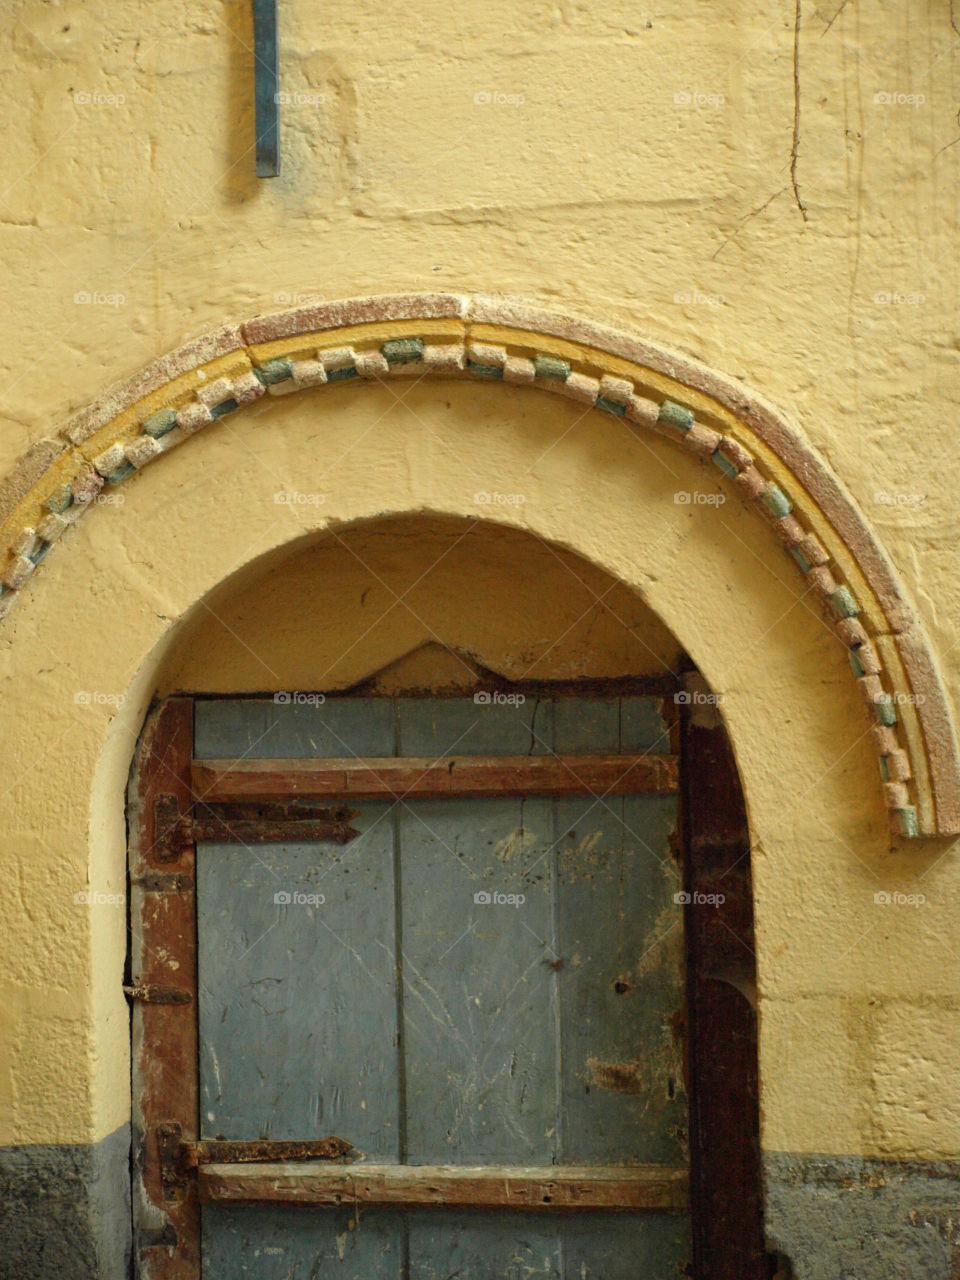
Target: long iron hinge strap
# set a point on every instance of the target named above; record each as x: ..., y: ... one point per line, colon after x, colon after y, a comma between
x: 247, y: 824
x: 180, y: 1158
x: 156, y: 993
x: 164, y: 882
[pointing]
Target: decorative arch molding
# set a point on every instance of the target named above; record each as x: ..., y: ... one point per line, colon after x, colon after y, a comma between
x: 494, y: 339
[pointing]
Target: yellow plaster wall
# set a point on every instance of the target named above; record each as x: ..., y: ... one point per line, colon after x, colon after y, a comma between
x: 478, y: 595
x: 621, y: 187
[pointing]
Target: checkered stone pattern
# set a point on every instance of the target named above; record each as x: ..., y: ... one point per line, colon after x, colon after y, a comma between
x: 413, y: 356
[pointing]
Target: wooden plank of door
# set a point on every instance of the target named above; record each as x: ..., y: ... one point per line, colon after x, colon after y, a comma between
x: 516, y: 725
x: 537, y: 1246
x: 479, y: 993
x: 312, y: 725
x: 298, y: 1017
x: 551, y: 1189
x: 289, y: 1242
x: 620, y: 944
x: 471, y: 776
x: 621, y: 981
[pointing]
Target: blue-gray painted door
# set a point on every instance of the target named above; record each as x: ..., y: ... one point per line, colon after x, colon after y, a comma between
x: 469, y: 982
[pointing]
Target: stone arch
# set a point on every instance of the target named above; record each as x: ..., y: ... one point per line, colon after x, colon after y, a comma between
x: 490, y: 339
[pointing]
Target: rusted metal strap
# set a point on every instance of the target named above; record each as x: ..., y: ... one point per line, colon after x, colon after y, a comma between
x: 288, y: 822
x: 471, y: 776
x: 156, y: 993
x: 180, y: 1158
x: 564, y: 1189
x: 263, y: 1150
x: 164, y: 882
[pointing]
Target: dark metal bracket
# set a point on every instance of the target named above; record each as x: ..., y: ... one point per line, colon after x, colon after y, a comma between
x: 180, y: 1158
x: 266, y: 80
x: 164, y: 882
x: 156, y: 993
x: 267, y: 823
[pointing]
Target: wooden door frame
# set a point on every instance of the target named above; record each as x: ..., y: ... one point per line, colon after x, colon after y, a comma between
x: 164, y: 1034
x: 723, y: 1070
x: 165, y: 784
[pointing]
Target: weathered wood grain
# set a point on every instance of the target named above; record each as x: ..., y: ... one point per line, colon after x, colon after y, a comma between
x: 550, y: 1189
x: 297, y: 999
x: 163, y: 931
x: 469, y: 776
x: 479, y: 993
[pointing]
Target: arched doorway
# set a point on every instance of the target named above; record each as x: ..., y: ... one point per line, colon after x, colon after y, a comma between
x: 804, y: 703
x: 446, y: 969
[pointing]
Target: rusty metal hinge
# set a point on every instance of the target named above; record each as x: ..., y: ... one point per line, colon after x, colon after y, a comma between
x: 168, y: 839
x: 156, y: 993
x: 164, y: 882
x: 295, y: 821
x: 173, y: 1172
x: 180, y: 1158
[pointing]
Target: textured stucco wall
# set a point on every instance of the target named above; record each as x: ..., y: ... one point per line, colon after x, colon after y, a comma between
x: 381, y: 594
x: 821, y: 842
x: 779, y: 201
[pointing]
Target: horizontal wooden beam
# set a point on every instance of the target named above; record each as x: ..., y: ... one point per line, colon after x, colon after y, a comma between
x: 397, y: 778
x: 559, y: 1188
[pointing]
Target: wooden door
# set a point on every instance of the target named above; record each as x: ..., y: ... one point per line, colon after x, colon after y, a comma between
x: 436, y: 998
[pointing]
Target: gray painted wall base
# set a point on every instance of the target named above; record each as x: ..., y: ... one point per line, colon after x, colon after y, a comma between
x: 850, y: 1218
x: 65, y: 1210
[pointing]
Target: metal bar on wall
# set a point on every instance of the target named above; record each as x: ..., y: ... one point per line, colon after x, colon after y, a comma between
x: 266, y: 80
